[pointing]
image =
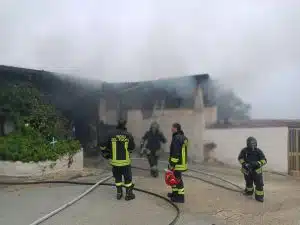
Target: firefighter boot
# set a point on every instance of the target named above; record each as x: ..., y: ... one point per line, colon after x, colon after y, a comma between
x: 170, y: 194
x: 154, y: 171
x: 129, y: 193
x: 119, y: 193
x: 259, y: 196
x: 177, y: 198
x: 248, y: 192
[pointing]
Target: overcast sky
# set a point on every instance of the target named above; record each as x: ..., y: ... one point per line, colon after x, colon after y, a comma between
x: 252, y: 46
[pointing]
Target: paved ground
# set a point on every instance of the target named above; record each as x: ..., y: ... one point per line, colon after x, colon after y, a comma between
x: 100, y: 207
x: 23, y: 204
x: 205, y: 203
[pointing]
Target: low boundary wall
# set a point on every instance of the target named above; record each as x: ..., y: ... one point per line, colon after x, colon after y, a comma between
x: 20, y: 169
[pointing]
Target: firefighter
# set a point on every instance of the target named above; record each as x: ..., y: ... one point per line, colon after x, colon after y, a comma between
x: 178, y: 161
x: 117, y: 148
x: 252, y: 160
x: 151, y: 145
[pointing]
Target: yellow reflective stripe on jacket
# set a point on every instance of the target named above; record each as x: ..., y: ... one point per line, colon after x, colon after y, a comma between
x: 120, y: 163
x: 114, y: 161
x: 183, y: 149
x: 183, y: 166
x: 126, y: 149
x: 241, y: 161
x: 174, y: 160
x: 114, y: 151
x: 259, y: 170
x: 102, y: 148
x: 262, y: 162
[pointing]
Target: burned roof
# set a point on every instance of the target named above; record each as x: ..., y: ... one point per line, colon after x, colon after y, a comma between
x: 255, y: 124
x: 176, y: 92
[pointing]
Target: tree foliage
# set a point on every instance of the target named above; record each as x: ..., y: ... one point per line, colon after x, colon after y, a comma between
x: 29, y: 145
x: 23, y: 104
x: 36, y: 123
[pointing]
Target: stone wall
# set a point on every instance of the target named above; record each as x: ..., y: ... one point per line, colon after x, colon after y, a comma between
x: 20, y: 169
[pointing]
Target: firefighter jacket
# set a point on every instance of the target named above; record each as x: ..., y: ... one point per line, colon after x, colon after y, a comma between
x: 117, y: 147
x: 153, y: 140
x: 256, y: 158
x: 178, y: 151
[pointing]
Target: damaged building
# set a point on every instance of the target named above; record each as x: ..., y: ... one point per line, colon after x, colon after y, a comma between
x: 89, y: 104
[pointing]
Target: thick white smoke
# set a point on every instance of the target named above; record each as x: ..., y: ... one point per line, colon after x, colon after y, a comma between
x: 251, y: 46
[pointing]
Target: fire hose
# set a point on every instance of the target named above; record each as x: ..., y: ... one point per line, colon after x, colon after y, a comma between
x: 94, y: 185
x: 236, y: 189
x: 102, y: 183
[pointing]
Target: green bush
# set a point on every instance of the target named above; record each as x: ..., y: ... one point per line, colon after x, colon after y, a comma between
x: 29, y: 145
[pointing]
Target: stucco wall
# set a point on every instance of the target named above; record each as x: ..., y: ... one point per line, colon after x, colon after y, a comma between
x: 192, y: 123
x: 19, y: 169
x: 210, y: 115
x: 273, y: 141
x: 191, y: 120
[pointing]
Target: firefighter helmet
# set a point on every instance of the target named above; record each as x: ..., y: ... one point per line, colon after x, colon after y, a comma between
x: 251, y: 142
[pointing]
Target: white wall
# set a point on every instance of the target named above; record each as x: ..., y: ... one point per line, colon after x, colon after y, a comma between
x: 19, y: 169
x: 273, y: 141
x: 192, y: 124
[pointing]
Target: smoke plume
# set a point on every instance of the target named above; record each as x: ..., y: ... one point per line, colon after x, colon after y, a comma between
x: 251, y: 46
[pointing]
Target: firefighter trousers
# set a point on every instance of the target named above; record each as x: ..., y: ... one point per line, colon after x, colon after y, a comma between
x: 178, y: 190
x: 120, y: 172
x: 256, y: 179
x: 152, y: 159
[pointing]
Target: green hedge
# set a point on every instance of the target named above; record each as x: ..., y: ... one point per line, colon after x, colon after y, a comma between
x: 29, y: 145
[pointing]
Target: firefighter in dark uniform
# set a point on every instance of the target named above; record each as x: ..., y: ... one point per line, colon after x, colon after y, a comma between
x: 252, y: 160
x: 117, y: 148
x: 151, y: 145
x: 178, y: 161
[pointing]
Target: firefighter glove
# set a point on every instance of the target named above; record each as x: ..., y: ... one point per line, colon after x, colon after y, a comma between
x: 247, y: 166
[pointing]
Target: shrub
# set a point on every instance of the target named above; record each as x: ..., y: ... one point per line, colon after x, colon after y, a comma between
x: 37, y: 121
x: 29, y: 145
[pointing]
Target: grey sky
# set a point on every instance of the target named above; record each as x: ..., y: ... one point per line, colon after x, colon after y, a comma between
x: 250, y: 45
